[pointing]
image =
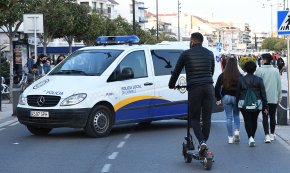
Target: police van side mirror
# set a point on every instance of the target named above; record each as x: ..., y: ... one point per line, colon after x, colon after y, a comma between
x: 127, y: 73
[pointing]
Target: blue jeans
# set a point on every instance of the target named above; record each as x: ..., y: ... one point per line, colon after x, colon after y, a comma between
x: 232, y: 112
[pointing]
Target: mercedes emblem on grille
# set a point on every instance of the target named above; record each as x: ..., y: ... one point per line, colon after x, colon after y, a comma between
x: 41, y: 101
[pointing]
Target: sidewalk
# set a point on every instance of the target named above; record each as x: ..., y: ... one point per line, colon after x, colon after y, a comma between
x: 6, y: 111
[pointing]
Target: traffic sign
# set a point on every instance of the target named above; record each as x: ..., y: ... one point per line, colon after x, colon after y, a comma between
x: 219, y: 46
x: 283, y: 22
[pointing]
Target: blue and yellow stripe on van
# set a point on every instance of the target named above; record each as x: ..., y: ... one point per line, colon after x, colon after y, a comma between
x: 135, y: 99
x: 138, y: 108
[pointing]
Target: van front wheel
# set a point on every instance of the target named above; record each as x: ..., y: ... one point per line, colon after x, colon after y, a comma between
x: 100, y: 122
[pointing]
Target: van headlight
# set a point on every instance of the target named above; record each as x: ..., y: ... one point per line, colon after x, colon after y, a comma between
x: 22, y: 100
x: 73, y: 99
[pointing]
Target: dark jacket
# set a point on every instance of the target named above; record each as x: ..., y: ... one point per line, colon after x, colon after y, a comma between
x: 257, y: 84
x: 199, y: 66
x: 220, y: 91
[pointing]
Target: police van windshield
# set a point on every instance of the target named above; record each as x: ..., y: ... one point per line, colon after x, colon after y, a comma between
x: 86, y: 62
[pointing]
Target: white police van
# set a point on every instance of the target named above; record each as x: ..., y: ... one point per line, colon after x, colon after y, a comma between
x: 101, y: 86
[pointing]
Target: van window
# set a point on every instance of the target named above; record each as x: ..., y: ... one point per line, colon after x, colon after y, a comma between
x: 136, y: 61
x: 86, y: 62
x: 164, y: 61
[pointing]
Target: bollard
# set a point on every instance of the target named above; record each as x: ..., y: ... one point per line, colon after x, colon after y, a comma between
x: 16, y: 91
x: 281, y: 112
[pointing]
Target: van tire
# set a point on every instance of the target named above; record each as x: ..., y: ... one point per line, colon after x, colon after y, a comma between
x: 38, y: 130
x: 100, y: 122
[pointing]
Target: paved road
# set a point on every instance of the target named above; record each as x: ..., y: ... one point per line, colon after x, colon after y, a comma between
x: 134, y: 149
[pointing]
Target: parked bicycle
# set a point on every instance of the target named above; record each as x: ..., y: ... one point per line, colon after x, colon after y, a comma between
x: 5, y: 91
x: 27, y: 79
x: 23, y: 82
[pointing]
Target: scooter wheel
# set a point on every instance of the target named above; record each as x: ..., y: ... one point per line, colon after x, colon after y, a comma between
x: 187, y: 158
x: 207, y: 163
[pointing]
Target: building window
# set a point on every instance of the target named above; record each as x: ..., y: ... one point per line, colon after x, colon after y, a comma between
x: 85, y: 3
x: 94, y: 5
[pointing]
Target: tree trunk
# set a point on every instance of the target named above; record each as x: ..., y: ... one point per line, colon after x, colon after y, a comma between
x: 11, y: 68
x: 70, y: 40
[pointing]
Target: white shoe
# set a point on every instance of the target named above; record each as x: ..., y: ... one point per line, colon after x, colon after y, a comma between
x: 251, y: 142
x: 237, y: 136
x: 272, y: 137
x: 267, y: 139
x: 231, y: 139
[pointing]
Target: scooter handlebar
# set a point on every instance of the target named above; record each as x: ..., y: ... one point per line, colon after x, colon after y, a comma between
x: 180, y: 86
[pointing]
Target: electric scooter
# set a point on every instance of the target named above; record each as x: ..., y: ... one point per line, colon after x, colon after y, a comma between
x: 188, y: 149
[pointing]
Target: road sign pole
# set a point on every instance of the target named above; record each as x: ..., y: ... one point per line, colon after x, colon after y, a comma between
x: 288, y: 72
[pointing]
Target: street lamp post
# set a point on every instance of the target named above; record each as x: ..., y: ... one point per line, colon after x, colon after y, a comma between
x: 157, y: 27
x: 134, y: 26
x: 271, y: 5
x: 178, y: 19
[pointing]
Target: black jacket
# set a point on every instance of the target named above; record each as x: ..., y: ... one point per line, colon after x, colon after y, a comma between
x: 199, y: 66
x: 257, y: 84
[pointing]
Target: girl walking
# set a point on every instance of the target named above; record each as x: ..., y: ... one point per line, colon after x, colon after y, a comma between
x: 225, y: 92
x: 256, y: 84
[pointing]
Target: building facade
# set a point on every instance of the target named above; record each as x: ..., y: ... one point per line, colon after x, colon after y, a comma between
x: 105, y: 7
x: 125, y: 10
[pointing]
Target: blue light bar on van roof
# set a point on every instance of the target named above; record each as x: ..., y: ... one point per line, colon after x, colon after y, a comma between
x: 111, y: 40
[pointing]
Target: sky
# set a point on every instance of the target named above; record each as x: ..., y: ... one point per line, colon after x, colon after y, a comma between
x: 245, y: 11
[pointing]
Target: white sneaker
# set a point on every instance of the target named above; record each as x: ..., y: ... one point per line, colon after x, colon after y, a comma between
x: 272, y: 137
x: 267, y: 139
x: 231, y: 139
x: 237, y: 136
x: 251, y: 142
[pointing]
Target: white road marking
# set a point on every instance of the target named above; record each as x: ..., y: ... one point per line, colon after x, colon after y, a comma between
x: 7, y: 122
x: 106, y: 168
x: 2, y: 129
x: 14, y: 124
x: 222, y: 121
x: 15, y: 143
x: 121, y: 144
x: 113, y: 155
x: 127, y: 136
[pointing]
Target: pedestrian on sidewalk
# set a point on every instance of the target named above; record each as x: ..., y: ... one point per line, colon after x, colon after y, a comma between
x: 225, y: 93
x: 256, y: 84
x: 280, y: 65
x: 272, y: 83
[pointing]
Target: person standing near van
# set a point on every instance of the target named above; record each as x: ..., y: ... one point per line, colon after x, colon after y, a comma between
x: 272, y: 82
x: 225, y: 92
x: 30, y: 62
x: 199, y: 66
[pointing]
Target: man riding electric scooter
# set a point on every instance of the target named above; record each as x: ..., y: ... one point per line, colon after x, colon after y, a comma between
x: 199, y: 66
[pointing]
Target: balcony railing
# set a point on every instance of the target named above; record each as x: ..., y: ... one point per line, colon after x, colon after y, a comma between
x: 143, y: 20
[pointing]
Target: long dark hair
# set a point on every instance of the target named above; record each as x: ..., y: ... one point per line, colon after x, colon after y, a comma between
x: 231, y: 74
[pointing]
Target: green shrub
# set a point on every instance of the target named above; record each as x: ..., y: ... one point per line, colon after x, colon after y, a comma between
x: 243, y: 61
x: 5, y: 69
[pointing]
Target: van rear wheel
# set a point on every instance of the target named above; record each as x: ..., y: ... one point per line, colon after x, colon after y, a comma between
x: 100, y: 122
x: 38, y: 130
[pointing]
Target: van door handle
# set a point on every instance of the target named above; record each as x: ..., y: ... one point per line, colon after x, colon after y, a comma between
x: 148, y: 83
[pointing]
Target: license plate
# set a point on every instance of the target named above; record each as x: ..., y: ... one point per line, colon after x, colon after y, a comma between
x: 41, y: 114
